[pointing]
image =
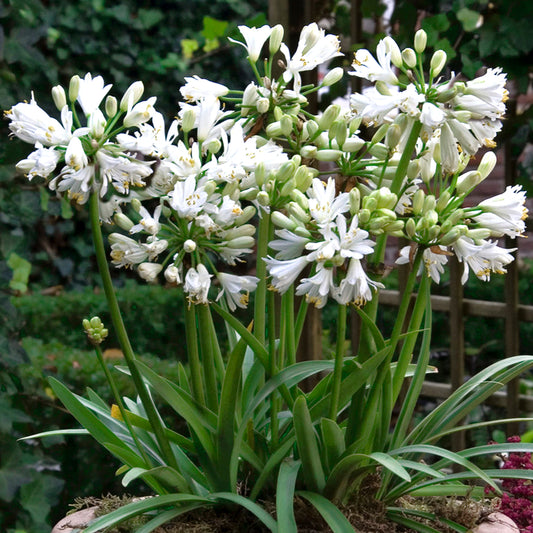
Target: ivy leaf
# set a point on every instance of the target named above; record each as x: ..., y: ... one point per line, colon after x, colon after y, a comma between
x: 188, y: 47
x: 13, y: 473
x: 21, y: 272
x: 150, y: 17
x: 10, y: 416
x: 211, y: 44
x: 469, y: 19
x: 38, y: 496
x: 213, y: 28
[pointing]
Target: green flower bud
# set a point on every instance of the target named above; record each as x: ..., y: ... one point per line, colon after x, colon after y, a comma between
x: 410, y: 228
x: 380, y: 134
x: 213, y: 146
x: 311, y: 127
x: 466, y: 182
x: 451, y: 236
x: 443, y: 200
x: 59, y: 97
x: 278, y: 113
x: 447, y: 95
x: 456, y: 216
x: 479, y: 233
x: 286, y: 125
x: 487, y: 164
x: 263, y: 198
x: 247, y: 214
x: 288, y: 186
x: 432, y: 217
x: 241, y: 242
x: 308, y: 151
x: 394, y: 49
x: 274, y: 129
x: 131, y: 96
x: 276, y: 38
x: 248, y: 194
x: 413, y: 169
x: 395, y: 228
x: 95, y: 330
x: 463, y: 115
x: 333, y: 76
x: 370, y: 203
x: 421, y: 38
x: 383, y: 88
x: 409, y: 58
x: 262, y: 105
x: 296, y: 211
x: 379, y: 150
x: 286, y: 171
x: 329, y: 116
x: 364, y: 216
x: 302, y: 232
x: 328, y: 155
x: 418, y: 201
x: 438, y: 60
x: 393, y: 136
x: 299, y: 197
x: 433, y: 232
x: 429, y: 203
x: 355, y: 200
x: 281, y: 221
x: 188, y: 119
x: 122, y: 221
x: 246, y: 230
x: 353, y: 145
x: 301, y: 176
x: 111, y: 106
x: 260, y: 174
x: 74, y: 88
x: 354, y: 125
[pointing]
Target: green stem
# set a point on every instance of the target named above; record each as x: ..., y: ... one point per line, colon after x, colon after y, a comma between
x: 151, y: 412
x: 263, y: 234
x: 401, y: 170
x: 288, y: 314
x: 208, y: 344
x: 193, y: 353
x: 339, y: 360
x: 273, y: 370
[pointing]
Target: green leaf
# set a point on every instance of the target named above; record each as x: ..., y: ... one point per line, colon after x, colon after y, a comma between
x: 188, y: 47
x: 13, y: 472
x: 331, y: 514
x: 306, y: 441
x: 333, y: 441
x: 288, y: 473
x: 210, y: 45
x: 21, y: 272
x: 66, y: 208
x: 150, y: 17
x: 38, y: 496
x: 214, y: 28
x: 469, y: 19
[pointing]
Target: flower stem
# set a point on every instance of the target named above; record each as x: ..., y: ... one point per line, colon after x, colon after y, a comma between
x: 193, y: 353
x: 151, y: 412
x: 339, y: 360
x: 263, y: 233
x: 208, y: 345
x: 401, y: 170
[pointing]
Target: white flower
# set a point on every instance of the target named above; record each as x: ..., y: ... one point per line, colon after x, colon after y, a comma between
x: 317, y: 287
x: 126, y: 252
x: 141, y: 112
x: 505, y: 213
x: 356, y: 287
x: 154, y: 247
x: 77, y: 183
x: 33, y: 125
x: 434, y: 259
x: 187, y: 199
x: 254, y: 38
x: 41, y: 162
x: 324, y: 204
x: 91, y: 93
x: 314, y: 48
x: 482, y: 258
x: 173, y: 274
x: 197, y: 88
x: 365, y: 66
x: 490, y: 90
x: 148, y: 223
x: 353, y: 242
x: 75, y: 156
x: 431, y: 115
x: 289, y: 245
x: 448, y: 150
x: 197, y: 283
x: 284, y: 273
x: 236, y: 289
x: 149, y: 271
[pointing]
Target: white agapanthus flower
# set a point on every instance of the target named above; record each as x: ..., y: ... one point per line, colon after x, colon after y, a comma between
x: 187, y: 198
x: 434, y: 259
x: 196, y: 89
x: 41, y: 162
x: 197, y: 283
x: 91, y: 92
x: 148, y: 223
x: 236, y: 289
x: 254, y: 38
x: 366, y: 66
x: 356, y: 287
x: 324, y: 203
x: 314, y: 48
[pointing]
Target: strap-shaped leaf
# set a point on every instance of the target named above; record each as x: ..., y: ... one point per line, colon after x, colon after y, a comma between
x: 170, y: 478
x: 394, y: 512
x: 307, y: 444
x: 332, y: 440
x: 330, y: 513
x: 288, y: 472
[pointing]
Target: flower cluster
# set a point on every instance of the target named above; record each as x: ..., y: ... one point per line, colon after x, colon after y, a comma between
x: 230, y: 155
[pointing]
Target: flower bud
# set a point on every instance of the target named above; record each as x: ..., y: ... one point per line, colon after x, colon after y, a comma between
x: 111, y: 106
x: 286, y: 125
x: 418, y: 201
x: 95, y: 330
x: 379, y: 150
x: 354, y: 197
x: 149, y: 271
x: 353, y: 144
x: 276, y: 37
x: 452, y: 235
x: 131, y: 96
x: 286, y: 171
x: 122, y: 221
x: 410, y: 228
x: 409, y: 58
x: 247, y: 214
x: 59, y: 97
x: 463, y: 115
x: 288, y: 186
x: 172, y: 275
x: 141, y: 112
x: 240, y: 231
x: 249, y: 99
x: 421, y: 38
x: 443, y: 200
x: 311, y: 127
x: 479, y: 233
x: 488, y: 162
x: 308, y: 151
x: 74, y: 88
x: 263, y: 198
x: 370, y: 203
x: 301, y: 176
x: 189, y: 246
x: 136, y: 204
x: 329, y: 116
x: 328, y: 155
x: 333, y: 76
x: 392, y: 138
x: 213, y: 146
x: 438, y: 60
x: 447, y: 95
x: 188, y: 119
x: 297, y: 212
x: 299, y: 197
x: 241, y: 242
x: 429, y: 203
x: 281, y: 221
x: 274, y: 129
x: 466, y: 182
x: 262, y: 105
x: 395, y: 53
x: 354, y: 125
x: 364, y: 216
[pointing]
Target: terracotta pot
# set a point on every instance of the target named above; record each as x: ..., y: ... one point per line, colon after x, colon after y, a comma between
x: 497, y: 523
x: 75, y: 521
